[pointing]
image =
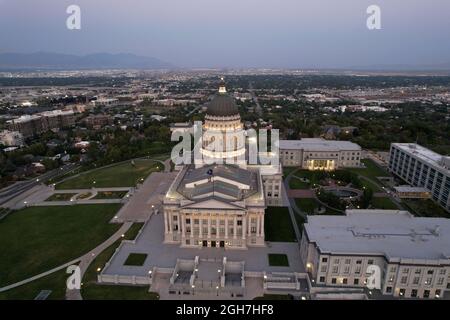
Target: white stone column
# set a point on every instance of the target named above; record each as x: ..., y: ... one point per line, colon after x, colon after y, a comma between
x: 258, y: 225
x: 192, y: 228
x: 262, y: 224
x: 244, y: 227
x: 170, y: 221
x: 226, y: 227
x: 200, y: 230
x: 235, y: 228
x: 166, y: 222
x: 209, y: 226
x: 183, y: 228
x: 217, y: 227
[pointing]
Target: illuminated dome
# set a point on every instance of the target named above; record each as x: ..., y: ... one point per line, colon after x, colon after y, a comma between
x: 222, y: 105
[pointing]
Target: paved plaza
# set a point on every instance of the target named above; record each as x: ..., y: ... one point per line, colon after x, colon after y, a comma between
x: 163, y: 255
x: 149, y: 193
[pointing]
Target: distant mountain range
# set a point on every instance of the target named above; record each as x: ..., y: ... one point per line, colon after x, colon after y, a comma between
x: 404, y: 67
x: 57, y: 61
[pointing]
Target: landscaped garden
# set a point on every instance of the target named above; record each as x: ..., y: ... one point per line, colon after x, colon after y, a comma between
x: 60, y: 197
x: 37, y: 239
x: 278, y: 225
x: 110, y: 194
x: 126, y: 174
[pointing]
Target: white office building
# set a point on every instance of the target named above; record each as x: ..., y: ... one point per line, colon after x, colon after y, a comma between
x: 412, y: 253
x: 320, y: 154
x: 421, y: 167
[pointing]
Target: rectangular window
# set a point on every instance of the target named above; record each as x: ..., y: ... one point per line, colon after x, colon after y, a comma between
x: 333, y: 280
x: 322, y: 279
x: 413, y: 293
x: 324, y: 259
x: 355, y: 281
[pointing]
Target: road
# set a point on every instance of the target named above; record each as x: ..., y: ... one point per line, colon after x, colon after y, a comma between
x: 17, y: 188
x: 258, y: 108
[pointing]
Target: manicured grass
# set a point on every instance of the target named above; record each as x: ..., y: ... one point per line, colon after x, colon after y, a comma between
x: 425, y: 208
x: 288, y: 170
x: 296, y: 183
x: 110, y: 195
x: 371, y: 186
x: 278, y: 225
x: 60, y: 197
x: 308, y: 205
x: 136, y: 259
x: 278, y: 260
x: 37, y: 239
x: 118, y: 292
x: 383, y: 203
x: 275, y: 297
x: 55, y: 282
x: 122, y: 175
x: 371, y: 170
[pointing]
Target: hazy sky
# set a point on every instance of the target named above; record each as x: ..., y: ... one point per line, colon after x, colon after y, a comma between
x: 235, y: 33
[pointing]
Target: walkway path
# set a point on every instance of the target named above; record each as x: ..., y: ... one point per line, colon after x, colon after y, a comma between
x: 87, y: 259
x: 41, y: 275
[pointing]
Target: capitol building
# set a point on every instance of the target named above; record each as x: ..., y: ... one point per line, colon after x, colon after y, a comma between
x: 213, y: 203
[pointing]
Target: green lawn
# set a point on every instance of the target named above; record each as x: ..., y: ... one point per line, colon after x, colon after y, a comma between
x: 136, y: 259
x: 122, y: 175
x: 110, y: 195
x: 309, y: 204
x: 425, y: 208
x: 371, y: 170
x: 288, y: 170
x: 278, y: 260
x: 278, y: 225
x: 383, y: 203
x: 295, y: 183
x: 115, y: 292
x: 60, y: 197
x: 55, y: 282
x: 37, y: 239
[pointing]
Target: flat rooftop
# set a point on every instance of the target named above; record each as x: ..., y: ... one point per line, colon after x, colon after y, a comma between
x: 410, y: 189
x: 319, y: 144
x: 397, y: 235
x: 422, y: 153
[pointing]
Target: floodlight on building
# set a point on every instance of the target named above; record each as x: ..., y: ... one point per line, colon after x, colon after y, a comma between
x: 218, y: 270
x: 193, y: 286
x: 303, y: 298
x: 99, y: 269
x: 123, y: 236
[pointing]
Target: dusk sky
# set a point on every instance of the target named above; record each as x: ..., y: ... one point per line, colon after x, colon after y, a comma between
x: 236, y: 33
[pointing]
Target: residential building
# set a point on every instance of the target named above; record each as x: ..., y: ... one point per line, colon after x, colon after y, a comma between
x: 30, y: 125
x: 11, y: 138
